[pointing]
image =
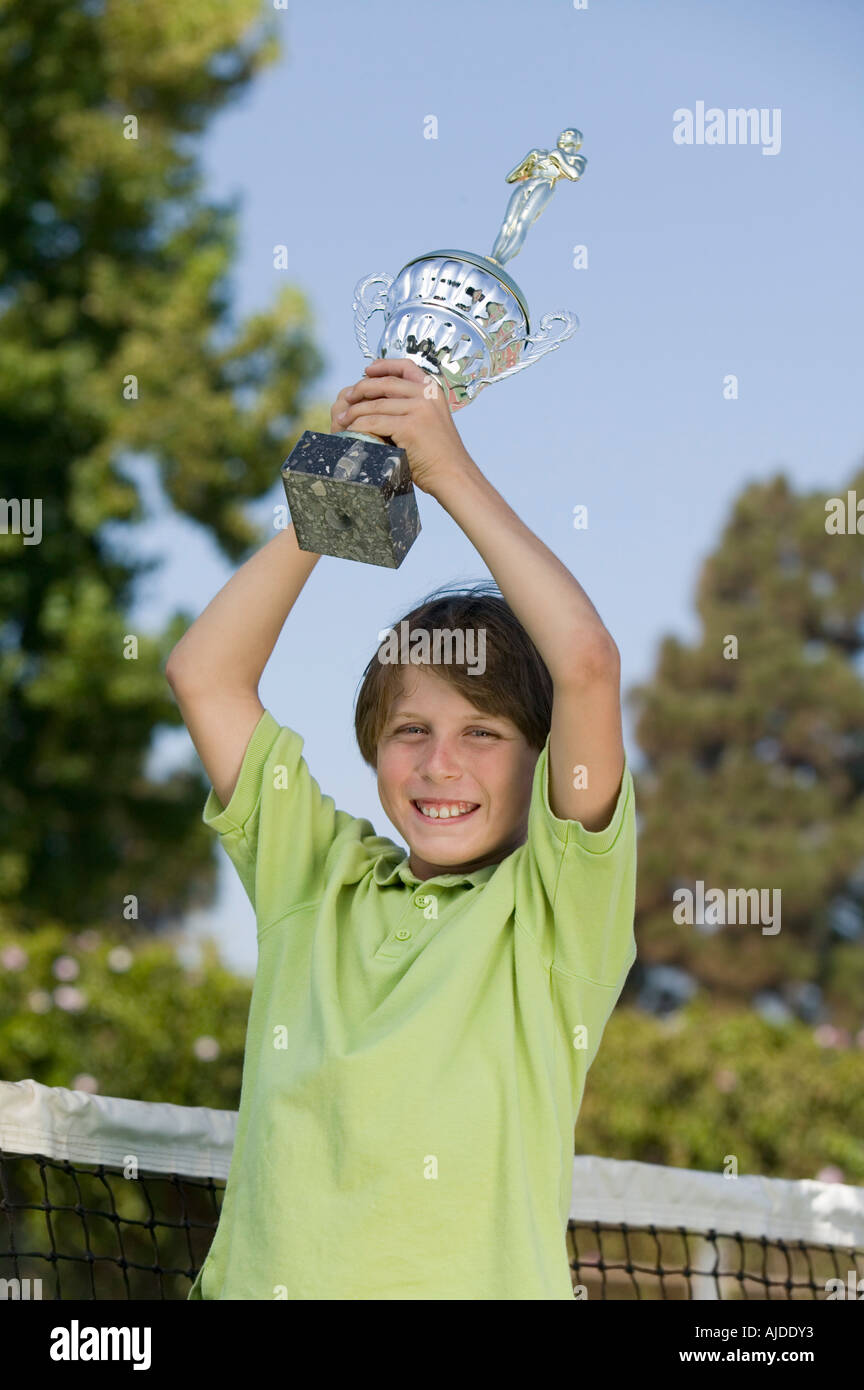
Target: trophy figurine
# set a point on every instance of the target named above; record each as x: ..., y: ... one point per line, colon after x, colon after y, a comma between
x: 462, y: 319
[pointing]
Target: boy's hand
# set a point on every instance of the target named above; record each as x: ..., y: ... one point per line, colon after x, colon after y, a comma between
x: 398, y: 401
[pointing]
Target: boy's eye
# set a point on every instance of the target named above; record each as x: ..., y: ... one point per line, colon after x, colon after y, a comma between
x: 418, y: 728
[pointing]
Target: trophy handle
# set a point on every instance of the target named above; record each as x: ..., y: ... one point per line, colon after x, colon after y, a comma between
x: 546, y: 339
x: 367, y: 301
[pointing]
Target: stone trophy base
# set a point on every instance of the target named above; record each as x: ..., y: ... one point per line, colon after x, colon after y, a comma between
x: 352, y: 497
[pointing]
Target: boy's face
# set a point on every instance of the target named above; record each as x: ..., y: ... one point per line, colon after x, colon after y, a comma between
x: 437, y: 749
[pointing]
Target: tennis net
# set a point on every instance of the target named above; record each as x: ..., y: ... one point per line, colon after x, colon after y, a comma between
x: 108, y: 1198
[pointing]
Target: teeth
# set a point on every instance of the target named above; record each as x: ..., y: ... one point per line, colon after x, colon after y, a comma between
x: 457, y: 808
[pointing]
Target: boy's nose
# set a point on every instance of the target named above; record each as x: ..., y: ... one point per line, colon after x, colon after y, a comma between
x: 440, y: 761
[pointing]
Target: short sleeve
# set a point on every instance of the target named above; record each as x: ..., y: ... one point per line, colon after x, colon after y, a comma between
x: 278, y: 826
x: 576, y: 888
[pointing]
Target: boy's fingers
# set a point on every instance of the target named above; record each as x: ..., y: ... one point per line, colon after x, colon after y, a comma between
x: 396, y: 366
x: 336, y: 409
x: 384, y: 405
x: 370, y: 387
x: 377, y: 424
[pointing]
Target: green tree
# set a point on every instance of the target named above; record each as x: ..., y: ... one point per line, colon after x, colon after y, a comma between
x: 755, y: 758
x: 116, y: 338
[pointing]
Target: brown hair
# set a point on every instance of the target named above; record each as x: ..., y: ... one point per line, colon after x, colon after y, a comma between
x: 515, y: 683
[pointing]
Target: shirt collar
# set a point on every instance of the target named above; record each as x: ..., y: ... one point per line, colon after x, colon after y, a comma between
x: 388, y: 868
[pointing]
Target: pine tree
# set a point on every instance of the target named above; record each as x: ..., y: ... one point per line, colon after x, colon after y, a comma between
x: 116, y: 337
x: 754, y: 739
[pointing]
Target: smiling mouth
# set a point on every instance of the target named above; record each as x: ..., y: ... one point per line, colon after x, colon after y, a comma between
x: 453, y: 818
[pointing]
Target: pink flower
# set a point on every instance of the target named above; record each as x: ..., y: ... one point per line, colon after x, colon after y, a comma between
x: 65, y: 968
x: 826, y: 1035
x: 69, y: 998
x: 830, y: 1174
x: 83, y: 1082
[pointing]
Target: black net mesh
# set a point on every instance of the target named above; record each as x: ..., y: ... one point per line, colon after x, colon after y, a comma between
x: 85, y: 1231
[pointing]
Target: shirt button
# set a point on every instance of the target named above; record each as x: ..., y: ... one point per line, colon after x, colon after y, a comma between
x: 422, y: 900
x: 403, y: 935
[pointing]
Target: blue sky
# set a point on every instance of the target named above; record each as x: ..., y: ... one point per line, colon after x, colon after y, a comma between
x: 703, y: 260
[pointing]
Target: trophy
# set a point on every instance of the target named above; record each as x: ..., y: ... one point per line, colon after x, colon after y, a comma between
x: 462, y: 319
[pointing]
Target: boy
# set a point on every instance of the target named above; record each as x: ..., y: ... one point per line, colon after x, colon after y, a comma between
x: 421, y: 1025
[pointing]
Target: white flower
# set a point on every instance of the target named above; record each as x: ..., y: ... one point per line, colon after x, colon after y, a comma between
x: 39, y: 1001
x: 69, y: 998
x: 120, y: 959
x: 206, y: 1049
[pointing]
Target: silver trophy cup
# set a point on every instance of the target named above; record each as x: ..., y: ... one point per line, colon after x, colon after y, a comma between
x: 462, y: 319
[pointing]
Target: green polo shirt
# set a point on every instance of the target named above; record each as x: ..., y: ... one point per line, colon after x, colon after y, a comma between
x: 416, y: 1051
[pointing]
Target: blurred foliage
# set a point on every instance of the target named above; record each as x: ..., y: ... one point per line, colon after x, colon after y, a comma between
x: 128, y: 1013
x: 117, y: 340
x: 754, y: 773
x: 124, y: 1015
x: 786, y: 1100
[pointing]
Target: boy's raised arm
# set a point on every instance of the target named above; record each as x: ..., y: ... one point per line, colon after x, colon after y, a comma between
x: 395, y: 400
x: 215, y: 668
x: 586, y: 742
